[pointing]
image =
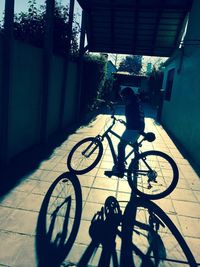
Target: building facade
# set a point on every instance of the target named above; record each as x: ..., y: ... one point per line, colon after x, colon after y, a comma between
x: 181, y: 105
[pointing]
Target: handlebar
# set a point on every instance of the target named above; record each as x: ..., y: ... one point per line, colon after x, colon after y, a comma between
x: 110, y: 105
x: 149, y: 136
x: 119, y: 120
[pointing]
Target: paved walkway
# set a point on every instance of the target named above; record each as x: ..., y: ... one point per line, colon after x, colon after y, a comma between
x: 19, y: 209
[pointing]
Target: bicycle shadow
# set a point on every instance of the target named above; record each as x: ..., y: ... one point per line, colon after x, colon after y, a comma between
x: 102, y: 231
x: 58, y: 220
x: 147, y: 237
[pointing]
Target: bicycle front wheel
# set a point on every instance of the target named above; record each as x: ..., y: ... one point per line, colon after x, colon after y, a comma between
x: 153, y: 174
x: 85, y: 155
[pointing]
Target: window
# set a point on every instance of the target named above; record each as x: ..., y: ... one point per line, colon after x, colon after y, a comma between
x: 169, y: 84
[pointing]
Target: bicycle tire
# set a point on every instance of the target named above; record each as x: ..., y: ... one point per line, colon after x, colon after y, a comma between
x: 76, y: 160
x: 136, y: 214
x: 56, y: 223
x: 163, y: 167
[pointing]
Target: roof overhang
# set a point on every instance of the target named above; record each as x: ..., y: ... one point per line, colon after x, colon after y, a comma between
x: 138, y: 27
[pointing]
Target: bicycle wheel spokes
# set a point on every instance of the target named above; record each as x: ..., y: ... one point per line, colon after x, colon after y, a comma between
x: 85, y: 155
x: 153, y: 174
x: 61, y: 212
x: 58, y: 220
x: 155, y: 239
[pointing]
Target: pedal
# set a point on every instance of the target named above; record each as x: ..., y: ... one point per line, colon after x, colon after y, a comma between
x: 108, y: 173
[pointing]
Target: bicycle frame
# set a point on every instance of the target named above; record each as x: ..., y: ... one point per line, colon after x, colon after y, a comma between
x: 135, y: 147
x: 110, y: 143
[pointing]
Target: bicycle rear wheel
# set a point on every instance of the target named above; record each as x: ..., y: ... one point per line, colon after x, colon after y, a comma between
x: 153, y: 174
x: 85, y: 155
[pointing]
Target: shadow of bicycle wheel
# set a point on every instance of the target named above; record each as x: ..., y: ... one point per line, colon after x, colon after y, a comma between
x: 150, y: 238
x: 58, y: 220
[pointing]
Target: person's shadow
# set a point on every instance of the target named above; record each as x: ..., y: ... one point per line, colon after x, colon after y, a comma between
x: 103, y: 230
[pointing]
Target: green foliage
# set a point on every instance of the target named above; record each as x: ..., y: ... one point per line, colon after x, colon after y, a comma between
x: 94, y: 73
x: 131, y: 64
x: 30, y: 27
x: 107, y: 92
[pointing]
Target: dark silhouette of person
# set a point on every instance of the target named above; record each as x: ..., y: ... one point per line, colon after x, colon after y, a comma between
x: 134, y: 126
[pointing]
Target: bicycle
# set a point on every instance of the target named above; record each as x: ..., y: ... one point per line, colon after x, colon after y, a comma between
x: 151, y: 174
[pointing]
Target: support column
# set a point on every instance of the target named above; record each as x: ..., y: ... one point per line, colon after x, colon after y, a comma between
x: 82, y: 50
x: 6, y: 78
x: 82, y: 37
x: 48, y: 49
x: 66, y: 64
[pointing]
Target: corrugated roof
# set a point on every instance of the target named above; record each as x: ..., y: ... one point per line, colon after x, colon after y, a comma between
x: 139, y: 27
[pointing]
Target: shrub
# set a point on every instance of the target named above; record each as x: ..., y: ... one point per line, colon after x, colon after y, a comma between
x: 93, y: 81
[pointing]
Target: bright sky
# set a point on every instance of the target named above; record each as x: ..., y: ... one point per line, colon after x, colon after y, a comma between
x: 117, y: 58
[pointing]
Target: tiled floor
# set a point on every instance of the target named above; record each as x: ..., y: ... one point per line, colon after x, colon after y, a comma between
x: 19, y: 209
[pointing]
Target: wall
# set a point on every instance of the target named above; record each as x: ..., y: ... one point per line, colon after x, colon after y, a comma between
x: 25, y: 100
x: 54, y: 94
x: 72, y: 95
x: 181, y: 114
x: 1, y: 66
x: 110, y: 69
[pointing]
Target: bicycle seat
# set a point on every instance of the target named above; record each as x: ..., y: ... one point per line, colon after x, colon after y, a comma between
x: 150, y: 137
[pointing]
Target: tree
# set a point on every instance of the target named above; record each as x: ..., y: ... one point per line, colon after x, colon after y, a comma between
x: 94, y: 73
x: 131, y: 64
x: 30, y: 27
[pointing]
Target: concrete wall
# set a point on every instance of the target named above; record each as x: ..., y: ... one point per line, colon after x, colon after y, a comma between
x: 25, y: 100
x: 72, y: 95
x: 1, y: 66
x: 54, y: 95
x: 181, y: 115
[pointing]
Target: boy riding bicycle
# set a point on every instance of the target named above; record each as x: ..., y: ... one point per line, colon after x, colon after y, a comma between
x: 134, y: 126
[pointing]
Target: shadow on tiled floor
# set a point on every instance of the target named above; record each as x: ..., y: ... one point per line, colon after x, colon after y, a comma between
x: 20, y: 207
